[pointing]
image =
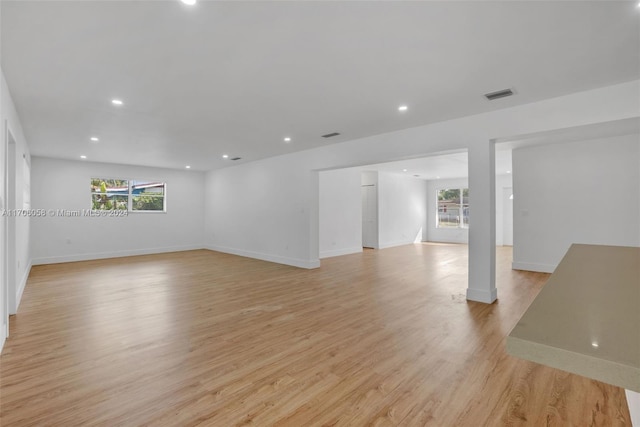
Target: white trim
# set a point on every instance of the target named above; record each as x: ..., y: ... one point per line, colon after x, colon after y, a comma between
x: 480, y: 295
x: 114, y: 254
x: 3, y: 337
x: 340, y: 252
x: 529, y: 266
x: 295, y: 262
x: 396, y: 243
x: 23, y: 284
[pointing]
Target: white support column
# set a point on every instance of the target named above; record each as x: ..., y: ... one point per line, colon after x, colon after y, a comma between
x: 482, y: 222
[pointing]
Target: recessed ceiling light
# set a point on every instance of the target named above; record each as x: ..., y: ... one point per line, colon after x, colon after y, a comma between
x: 403, y: 108
x: 287, y: 139
x: 83, y: 157
x: 508, y: 171
x: 117, y: 102
x: 404, y: 170
x: 594, y: 344
x: 188, y: 167
x: 225, y: 156
x: 189, y: 2
x: 94, y: 139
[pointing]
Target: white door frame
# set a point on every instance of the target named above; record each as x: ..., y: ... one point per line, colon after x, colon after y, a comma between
x: 10, y: 223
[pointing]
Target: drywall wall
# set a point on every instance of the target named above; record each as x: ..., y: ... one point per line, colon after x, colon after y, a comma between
x: 340, y: 220
x: 402, y: 207
x: 576, y: 192
x: 65, y: 185
x: 18, y: 230
x: 401, y: 210
x: 268, y: 209
x: 461, y: 235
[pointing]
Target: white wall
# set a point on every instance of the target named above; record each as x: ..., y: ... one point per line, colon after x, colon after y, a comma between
x: 340, y: 221
x: 402, y: 205
x: 461, y: 235
x: 577, y: 192
x: 502, y: 182
x: 21, y: 224
x: 65, y: 184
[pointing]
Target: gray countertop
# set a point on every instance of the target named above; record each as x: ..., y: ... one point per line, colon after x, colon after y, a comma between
x: 586, y: 319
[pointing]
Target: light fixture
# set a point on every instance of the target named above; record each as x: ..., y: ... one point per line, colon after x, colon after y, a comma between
x: 187, y: 167
x: 287, y: 139
x: 404, y: 170
x: 94, y: 139
x: 189, y: 2
x: 508, y: 171
x: 225, y: 156
x: 83, y: 157
x: 403, y: 108
x: 594, y: 344
x: 117, y: 102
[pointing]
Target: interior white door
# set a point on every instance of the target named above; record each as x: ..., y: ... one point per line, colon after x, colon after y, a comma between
x: 369, y: 216
x: 507, y: 216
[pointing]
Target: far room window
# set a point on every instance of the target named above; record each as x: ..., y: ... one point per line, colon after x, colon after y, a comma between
x: 129, y: 195
x: 453, y: 210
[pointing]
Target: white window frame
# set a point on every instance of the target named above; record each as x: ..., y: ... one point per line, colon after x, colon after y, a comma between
x: 130, y: 195
x: 461, y: 223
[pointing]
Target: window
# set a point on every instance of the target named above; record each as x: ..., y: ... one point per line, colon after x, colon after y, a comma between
x: 453, y: 211
x: 130, y: 195
x: 147, y: 196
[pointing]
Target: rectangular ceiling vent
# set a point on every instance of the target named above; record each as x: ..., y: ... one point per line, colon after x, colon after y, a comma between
x: 235, y: 158
x: 329, y: 135
x: 499, y: 94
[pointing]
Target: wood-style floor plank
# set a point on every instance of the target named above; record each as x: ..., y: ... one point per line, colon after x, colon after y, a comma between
x: 382, y: 338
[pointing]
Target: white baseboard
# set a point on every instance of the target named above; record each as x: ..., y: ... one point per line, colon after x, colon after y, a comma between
x: 113, y: 254
x: 481, y: 295
x: 295, y: 262
x: 529, y: 266
x: 340, y: 252
x: 463, y: 241
x: 386, y: 245
x: 3, y: 336
x: 22, y: 284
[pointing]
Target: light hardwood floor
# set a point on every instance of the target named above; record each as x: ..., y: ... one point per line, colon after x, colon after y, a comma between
x: 203, y: 338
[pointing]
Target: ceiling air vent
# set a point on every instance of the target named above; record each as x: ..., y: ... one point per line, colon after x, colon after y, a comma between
x: 499, y: 94
x: 235, y: 158
x: 329, y: 135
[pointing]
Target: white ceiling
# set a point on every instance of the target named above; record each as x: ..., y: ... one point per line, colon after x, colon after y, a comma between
x: 237, y: 77
x: 443, y: 166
